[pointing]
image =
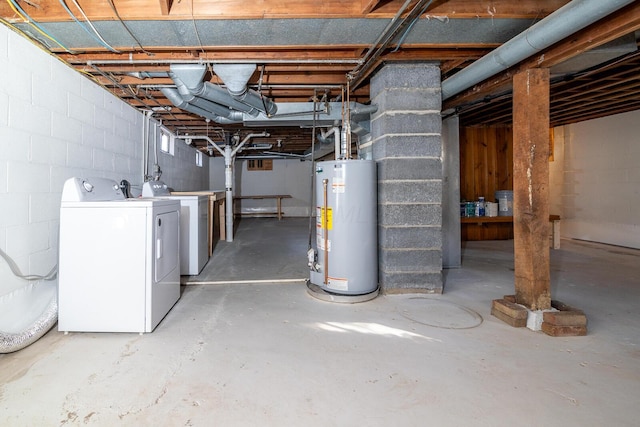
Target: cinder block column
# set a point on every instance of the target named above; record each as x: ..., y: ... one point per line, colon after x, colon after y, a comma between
x: 406, y: 144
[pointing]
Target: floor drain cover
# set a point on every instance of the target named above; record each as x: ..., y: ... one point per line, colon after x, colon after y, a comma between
x: 440, y: 314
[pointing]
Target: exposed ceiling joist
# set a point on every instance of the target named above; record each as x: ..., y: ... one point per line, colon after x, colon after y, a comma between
x: 301, y: 48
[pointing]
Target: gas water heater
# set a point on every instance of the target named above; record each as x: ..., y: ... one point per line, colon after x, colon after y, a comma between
x: 345, y: 259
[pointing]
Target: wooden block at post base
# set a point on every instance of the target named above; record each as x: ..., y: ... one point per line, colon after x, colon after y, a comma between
x: 510, y: 313
x: 567, y: 322
x: 559, y: 305
x: 563, y: 331
x: 565, y: 318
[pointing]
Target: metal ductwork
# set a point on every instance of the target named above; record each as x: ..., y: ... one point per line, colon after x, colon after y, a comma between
x: 192, y: 77
x: 559, y: 25
x: 176, y: 99
x: 240, y: 104
x: 189, y: 79
x: 235, y: 78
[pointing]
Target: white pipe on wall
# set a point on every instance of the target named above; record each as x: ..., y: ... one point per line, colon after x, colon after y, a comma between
x: 229, y: 154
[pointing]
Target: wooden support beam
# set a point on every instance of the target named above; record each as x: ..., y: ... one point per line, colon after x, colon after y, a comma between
x: 165, y: 6
x: 531, y: 188
x: 369, y: 5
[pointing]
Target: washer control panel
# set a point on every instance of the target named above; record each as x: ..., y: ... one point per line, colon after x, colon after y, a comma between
x: 91, y: 190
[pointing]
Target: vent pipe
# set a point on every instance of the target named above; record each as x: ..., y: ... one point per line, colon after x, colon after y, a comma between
x: 559, y: 25
x: 176, y: 99
x: 235, y: 78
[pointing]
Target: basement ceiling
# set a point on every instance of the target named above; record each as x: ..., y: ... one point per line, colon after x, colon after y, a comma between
x: 325, y: 51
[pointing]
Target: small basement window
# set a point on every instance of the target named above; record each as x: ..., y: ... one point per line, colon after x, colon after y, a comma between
x: 199, y: 158
x: 166, y: 141
x: 260, y: 165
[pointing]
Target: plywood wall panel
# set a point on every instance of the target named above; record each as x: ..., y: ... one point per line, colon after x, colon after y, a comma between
x: 486, y: 165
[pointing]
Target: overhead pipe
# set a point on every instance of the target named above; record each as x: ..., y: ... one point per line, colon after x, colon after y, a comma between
x: 559, y: 25
x: 229, y: 154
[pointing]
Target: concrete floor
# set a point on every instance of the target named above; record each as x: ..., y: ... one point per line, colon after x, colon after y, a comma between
x: 271, y: 355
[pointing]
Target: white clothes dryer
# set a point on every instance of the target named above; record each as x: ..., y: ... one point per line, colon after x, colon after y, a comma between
x: 194, y: 253
x: 119, y: 266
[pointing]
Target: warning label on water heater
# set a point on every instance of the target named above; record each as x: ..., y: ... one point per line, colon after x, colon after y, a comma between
x: 337, y: 284
x: 337, y: 184
x: 320, y: 243
x: 329, y: 218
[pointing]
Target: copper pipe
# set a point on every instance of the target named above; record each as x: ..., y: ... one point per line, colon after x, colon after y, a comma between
x: 325, y: 225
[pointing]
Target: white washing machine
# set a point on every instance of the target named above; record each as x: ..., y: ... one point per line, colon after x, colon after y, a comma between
x: 119, y: 267
x: 194, y: 253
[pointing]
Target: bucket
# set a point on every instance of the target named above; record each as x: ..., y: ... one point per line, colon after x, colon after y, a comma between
x: 505, y: 202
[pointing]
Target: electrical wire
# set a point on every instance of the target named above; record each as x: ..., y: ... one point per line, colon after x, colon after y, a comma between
x: 25, y: 16
x: 16, y: 270
x: 408, y: 30
x: 95, y: 34
x: 113, y: 7
x: 195, y: 27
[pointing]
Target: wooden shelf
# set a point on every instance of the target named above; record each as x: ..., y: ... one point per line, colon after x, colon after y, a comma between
x: 501, y: 228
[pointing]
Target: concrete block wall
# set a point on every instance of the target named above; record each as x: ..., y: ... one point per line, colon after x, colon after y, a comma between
x: 406, y: 144
x: 179, y: 170
x: 289, y: 176
x: 595, y: 179
x: 55, y: 123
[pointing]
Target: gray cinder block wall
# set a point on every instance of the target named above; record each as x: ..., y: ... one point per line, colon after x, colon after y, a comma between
x: 407, y: 147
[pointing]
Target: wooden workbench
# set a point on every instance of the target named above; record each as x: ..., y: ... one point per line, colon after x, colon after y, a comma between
x: 216, y: 220
x: 278, y: 198
x: 481, y: 220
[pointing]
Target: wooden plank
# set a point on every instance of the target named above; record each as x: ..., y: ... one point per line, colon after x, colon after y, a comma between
x: 563, y: 331
x: 48, y: 10
x: 510, y: 313
x: 531, y: 188
x: 499, y: 228
x: 565, y: 318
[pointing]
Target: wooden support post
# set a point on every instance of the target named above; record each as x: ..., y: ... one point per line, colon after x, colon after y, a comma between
x: 531, y: 188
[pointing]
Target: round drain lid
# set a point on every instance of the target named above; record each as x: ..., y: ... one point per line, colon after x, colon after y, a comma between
x: 440, y: 314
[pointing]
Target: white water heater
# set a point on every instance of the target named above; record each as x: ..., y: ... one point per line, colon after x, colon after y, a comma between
x: 346, y: 253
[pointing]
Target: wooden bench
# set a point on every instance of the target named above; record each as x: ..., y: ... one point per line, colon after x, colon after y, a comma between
x: 480, y: 220
x: 278, y: 198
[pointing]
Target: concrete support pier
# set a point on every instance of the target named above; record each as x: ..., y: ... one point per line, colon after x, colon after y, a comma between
x: 407, y: 146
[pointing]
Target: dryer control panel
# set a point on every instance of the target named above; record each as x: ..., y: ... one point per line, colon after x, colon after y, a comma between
x: 155, y: 189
